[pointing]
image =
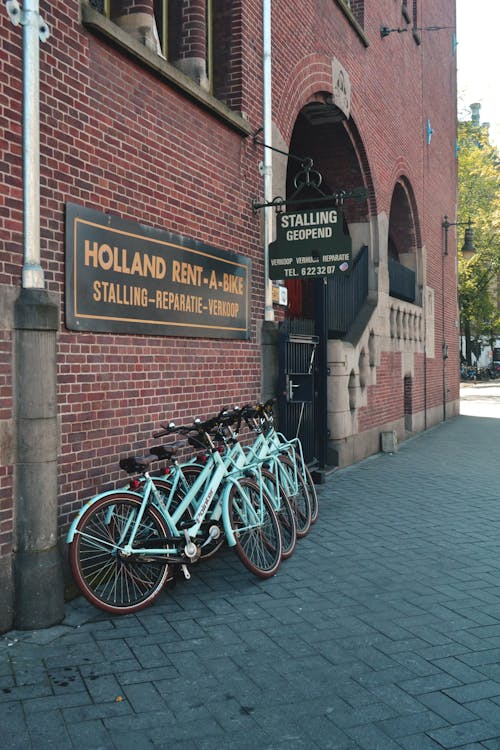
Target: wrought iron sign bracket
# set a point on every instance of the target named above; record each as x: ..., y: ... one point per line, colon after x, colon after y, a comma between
x: 307, y: 177
x: 258, y: 142
x: 338, y: 198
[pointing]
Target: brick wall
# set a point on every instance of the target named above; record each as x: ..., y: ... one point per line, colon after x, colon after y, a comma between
x: 117, y: 138
x: 386, y: 398
x: 397, y: 85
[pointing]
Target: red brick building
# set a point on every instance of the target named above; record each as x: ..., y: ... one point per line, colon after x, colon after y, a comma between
x: 153, y: 240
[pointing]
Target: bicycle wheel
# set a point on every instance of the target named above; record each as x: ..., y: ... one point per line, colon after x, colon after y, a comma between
x: 313, y: 495
x: 284, y: 511
x: 256, y: 528
x: 106, y: 577
x: 298, y: 495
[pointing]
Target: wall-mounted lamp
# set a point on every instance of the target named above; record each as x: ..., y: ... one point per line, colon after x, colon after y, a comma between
x: 432, y: 28
x: 468, y: 248
x: 385, y: 31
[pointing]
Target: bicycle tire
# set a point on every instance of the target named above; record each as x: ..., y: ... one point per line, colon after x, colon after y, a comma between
x: 284, y: 511
x: 115, y: 584
x: 313, y: 495
x: 258, y: 546
x: 300, y: 499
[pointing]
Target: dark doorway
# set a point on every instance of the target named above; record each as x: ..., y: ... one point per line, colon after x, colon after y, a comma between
x: 322, y: 308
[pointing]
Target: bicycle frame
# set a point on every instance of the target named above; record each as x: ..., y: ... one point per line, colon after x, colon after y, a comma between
x: 199, y: 497
x: 269, y: 446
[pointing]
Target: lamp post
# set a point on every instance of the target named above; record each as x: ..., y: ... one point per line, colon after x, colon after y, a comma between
x: 468, y: 248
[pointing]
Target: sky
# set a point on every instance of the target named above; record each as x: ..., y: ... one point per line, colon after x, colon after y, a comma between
x: 478, y: 56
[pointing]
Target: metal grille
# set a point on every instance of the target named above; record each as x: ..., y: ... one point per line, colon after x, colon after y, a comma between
x: 401, y: 281
x: 346, y: 295
x: 297, y: 349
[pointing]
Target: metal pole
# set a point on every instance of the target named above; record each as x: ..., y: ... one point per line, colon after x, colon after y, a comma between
x: 32, y: 270
x: 267, y: 159
x: 34, y: 29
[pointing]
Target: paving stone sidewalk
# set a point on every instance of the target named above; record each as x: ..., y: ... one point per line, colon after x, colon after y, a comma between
x: 381, y: 632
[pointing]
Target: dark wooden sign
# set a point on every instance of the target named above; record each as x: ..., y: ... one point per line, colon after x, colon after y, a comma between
x: 309, y: 244
x: 124, y: 277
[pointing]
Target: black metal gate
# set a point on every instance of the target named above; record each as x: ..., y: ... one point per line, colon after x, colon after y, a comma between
x: 298, y: 388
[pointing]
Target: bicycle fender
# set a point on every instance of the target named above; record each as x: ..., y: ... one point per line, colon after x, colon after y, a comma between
x: 231, y: 540
x: 74, y: 523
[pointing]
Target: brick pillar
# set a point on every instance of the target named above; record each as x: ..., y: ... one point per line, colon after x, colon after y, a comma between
x: 190, y: 54
x: 138, y: 19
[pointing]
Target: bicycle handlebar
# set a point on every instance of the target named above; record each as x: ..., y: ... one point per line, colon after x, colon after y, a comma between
x: 224, y: 418
x: 197, y: 425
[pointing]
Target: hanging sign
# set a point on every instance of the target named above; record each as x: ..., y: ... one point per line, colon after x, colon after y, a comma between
x: 125, y: 277
x: 309, y: 244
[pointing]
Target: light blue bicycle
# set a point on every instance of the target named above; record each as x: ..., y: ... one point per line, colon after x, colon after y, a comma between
x: 260, y: 419
x: 122, y: 542
x: 281, y: 476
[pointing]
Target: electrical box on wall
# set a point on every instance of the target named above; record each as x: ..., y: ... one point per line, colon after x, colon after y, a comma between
x: 280, y: 295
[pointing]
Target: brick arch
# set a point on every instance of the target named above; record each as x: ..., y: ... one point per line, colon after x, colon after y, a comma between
x: 310, y: 76
x: 362, y: 156
x: 338, y: 153
x: 404, y: 224
x: 311, y: 81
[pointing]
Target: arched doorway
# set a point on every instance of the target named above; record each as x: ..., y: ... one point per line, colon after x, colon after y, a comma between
x: 403, y: 244
x: 324, y: 308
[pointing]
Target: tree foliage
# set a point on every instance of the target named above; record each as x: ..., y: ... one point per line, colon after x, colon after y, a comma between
x: 479, y: 201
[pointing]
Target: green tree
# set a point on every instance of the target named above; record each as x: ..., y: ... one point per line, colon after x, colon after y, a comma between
x: 479, y: 201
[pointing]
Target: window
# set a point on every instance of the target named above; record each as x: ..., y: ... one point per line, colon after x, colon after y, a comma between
x: 416, y: 34
x: 409, y: 11
x: 356, y: 8
x: 101, y: 5
x: 404, y: 11
x: 198, y: 37
x: 354, y: 11
x: 163, y: 25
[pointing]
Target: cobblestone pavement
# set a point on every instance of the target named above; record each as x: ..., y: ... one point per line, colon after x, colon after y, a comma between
x: 381, y: 632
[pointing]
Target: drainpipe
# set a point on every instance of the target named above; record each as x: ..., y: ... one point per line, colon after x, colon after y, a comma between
x: 267, y: 163
x: 34, y: 30
x: 38, y: 581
